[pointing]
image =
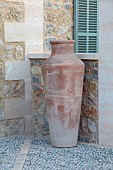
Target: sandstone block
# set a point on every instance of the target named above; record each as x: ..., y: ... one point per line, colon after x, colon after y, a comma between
x: 34, y: 46
x: 23, y: 32
x: 34, y: 13
x: 17, y: 108
x: 17, y: 70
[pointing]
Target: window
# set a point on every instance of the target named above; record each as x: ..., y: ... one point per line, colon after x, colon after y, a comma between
x: 86, y: 26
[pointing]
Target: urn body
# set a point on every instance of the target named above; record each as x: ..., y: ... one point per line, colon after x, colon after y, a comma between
x: 63, y: 74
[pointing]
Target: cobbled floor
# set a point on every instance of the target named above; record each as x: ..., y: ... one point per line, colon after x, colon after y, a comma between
x: 36, y: 153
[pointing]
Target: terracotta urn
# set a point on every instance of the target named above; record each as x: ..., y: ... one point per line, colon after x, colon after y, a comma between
x: 63, y: 74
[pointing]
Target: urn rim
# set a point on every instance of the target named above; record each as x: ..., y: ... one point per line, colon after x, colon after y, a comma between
x: 62, y: 42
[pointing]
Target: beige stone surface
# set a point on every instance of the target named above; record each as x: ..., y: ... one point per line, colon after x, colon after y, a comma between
x: 17, y: 70
x: 105, y: 72
x: 106, y: 54
x: 104, y: 8
x: 14, y: 0
x: 28, y: 123
x: 34, y: 13
x: 28, y: 91
x: 28, y: 2
x: 17, y: 108
x: 33, y: 2
x: 34, y: 46
x: 106, y: 123
x: 106, y: 138
x: 22, y: 154
x: 23, y: 31
x: 106, y: 75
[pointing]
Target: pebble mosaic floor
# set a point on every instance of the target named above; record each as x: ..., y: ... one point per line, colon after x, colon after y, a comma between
x: 9, y: 150
x: 42, y: 156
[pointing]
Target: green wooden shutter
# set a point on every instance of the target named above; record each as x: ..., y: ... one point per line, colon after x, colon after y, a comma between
x: 86, y: 26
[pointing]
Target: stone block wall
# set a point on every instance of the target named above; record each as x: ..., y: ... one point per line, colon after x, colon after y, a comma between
x: 21, y: 31
x: 10, y: 51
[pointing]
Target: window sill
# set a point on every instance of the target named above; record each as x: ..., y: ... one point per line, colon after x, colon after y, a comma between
x: 87, y: 56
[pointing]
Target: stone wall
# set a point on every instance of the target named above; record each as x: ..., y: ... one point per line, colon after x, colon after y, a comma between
x: 88, y: 131
x: 58, y: 21
x: 39, y: 122
x: 21, y: 31
x: 10, y: 51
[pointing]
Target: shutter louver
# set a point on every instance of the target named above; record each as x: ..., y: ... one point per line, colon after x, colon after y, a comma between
x: 86, y: 26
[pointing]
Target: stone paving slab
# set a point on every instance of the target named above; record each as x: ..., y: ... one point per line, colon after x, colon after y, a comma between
x: 23, y: 153
x: 36, y: 153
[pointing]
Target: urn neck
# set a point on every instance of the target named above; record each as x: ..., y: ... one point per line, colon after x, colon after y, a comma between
x: 62, y: 47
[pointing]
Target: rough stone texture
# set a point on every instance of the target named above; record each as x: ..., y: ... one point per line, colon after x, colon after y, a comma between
x: 1, y: 42
x: 11, y: 12
x: 15, y: 89
x: 11, y: 127
x: 2, y: 97
x: 88, y: 131
x: 2, y: 107
x: 2, y: 53
x: 89, y: 114
x: 1, y: 30
x: 2, y: 73
x: 14, y: 51
x: 58, y: 21
x: 39, y: 121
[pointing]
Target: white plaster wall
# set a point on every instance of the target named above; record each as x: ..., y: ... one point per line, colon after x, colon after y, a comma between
x: 31, y: 32
x: 106, y: 72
